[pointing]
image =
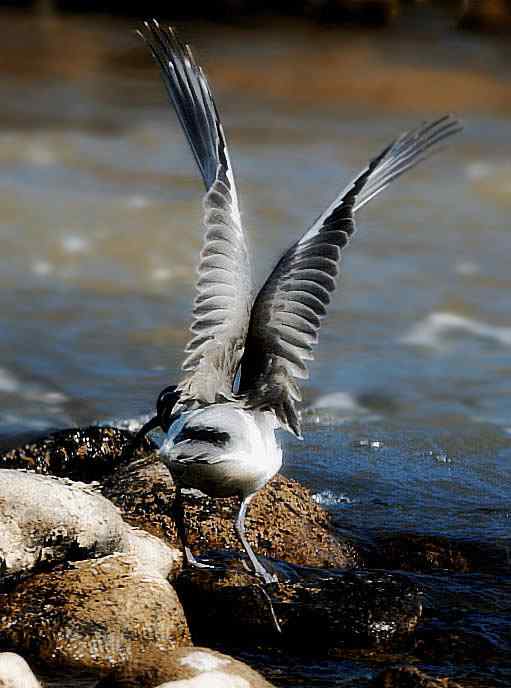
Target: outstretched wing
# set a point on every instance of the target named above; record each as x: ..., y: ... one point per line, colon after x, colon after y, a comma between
x: 222, y: 304
x: 287, y: 312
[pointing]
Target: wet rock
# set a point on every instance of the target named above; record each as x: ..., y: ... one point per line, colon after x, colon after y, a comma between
x: 409, y: 677
x: 47, y: 520
x: 15, y: 672
x: 144, y: 492
x: 109, y: 616
x: 441, y: 641
x: 152, y: 553
x: 196, y: 667
x: 321, y: 609
x: 283, y: 521
x: 423, y: 553
x: 412, y: 552
x: 84, y: 454
x: 489, y: 16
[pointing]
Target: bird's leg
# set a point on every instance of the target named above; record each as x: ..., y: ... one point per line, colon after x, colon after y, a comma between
x: 178, y: 513
x: 259, y: 569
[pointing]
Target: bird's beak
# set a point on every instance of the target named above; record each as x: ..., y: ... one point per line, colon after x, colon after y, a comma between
x: 147, y: 427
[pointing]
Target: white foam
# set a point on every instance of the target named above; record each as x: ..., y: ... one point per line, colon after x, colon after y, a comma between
x: 329, y: 498
x: 42, y: 267
x: 433, y: 330
x: 40, y: 155
x: 74, y: 243
x: 162, y: 274
x: 478, y: 169
x: 8, y: 383
x: 340, y: 401
x: 467, y: 268
x: 137, y: 202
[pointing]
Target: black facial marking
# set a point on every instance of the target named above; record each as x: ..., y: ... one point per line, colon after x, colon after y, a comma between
x: 203, y: 433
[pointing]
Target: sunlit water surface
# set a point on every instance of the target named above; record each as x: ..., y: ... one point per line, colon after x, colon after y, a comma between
x: 408, y: 421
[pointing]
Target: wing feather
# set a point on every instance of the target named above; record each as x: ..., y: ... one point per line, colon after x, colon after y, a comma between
x: 222, y: 305
x: 287, y: 312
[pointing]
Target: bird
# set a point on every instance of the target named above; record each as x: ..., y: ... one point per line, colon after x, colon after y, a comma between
x: 248, y: 350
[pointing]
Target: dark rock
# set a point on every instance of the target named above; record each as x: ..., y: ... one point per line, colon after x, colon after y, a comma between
x: 47, y: 520
x: 409, y: 677
x: 109, y: 616
x: 486, y: 16
x: 321, y: 609
x: 85, y: 454
x: 423, y: 553
x: 438, y: 642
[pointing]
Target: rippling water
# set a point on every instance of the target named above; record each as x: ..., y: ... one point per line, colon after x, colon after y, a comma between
x: 408, y: 406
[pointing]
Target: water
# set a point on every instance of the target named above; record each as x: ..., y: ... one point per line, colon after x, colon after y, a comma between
x: 408, y: 421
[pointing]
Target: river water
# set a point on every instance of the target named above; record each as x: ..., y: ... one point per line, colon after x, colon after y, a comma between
x: 408, y: 409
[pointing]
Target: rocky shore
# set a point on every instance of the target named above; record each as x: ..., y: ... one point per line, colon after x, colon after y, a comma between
x: 92, y: 581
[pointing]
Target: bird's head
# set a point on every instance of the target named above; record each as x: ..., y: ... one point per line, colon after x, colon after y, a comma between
x: 167, y: 399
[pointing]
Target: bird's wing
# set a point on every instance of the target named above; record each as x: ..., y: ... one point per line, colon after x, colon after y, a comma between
x: 222, y: 304
x: 287, y: 312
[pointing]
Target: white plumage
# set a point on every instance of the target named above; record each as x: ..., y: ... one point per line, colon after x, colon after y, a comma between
x: 248, y: 350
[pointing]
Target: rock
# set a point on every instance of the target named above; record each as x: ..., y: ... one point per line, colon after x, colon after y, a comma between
x: 283, y: 521
x: 438, y: 642
x: 491, y: 16
x: 84, y: 454
x: 421, y: 553
x: 415, y: 552
x: 199, y: 667
x: 152, y: 553
x: 321, y: 609
x: 409, y: 677
x: 47, y: 520
x: 144, y: 492
x: 109, y: 616
x: 15, y: 672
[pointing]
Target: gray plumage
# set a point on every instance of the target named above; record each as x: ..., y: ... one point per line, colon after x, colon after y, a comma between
x: 222, y: 304
x: 246, y: 354
x: 286, y: 316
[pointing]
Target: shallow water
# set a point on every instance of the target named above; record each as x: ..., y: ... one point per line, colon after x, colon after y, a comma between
x: 408, y: 406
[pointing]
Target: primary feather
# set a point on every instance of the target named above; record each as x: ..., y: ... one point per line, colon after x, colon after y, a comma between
x: 222, y: 305
x: 286, y: 316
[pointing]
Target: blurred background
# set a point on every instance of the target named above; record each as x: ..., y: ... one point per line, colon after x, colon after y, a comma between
x: 100, y: 203
x: 408, y: 409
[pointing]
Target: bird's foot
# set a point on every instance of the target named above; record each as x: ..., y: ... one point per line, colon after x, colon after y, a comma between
x: 267, y: 577
x: 192, y: 562
x: 262, y: 573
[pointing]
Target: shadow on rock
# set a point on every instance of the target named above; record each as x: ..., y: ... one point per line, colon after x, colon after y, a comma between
x: 317, y: 609
x: 425, y: 553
